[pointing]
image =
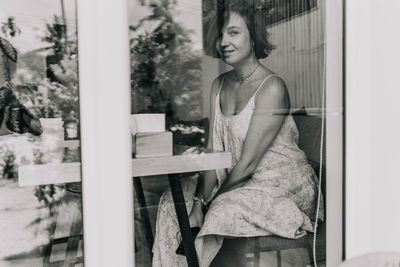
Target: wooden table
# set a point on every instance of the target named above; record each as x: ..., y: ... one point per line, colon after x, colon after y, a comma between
x: 31, y: 175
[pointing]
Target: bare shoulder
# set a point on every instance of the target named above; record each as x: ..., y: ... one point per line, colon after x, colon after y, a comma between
x: 217, y: 83
x: 273, y: 85
x: 273, y: 93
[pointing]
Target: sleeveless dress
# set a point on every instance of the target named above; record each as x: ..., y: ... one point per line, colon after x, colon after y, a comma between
x: 280, y: 199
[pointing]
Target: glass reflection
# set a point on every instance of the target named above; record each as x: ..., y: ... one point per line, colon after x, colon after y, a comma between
x: 172, y: 74
x: 40, y: 223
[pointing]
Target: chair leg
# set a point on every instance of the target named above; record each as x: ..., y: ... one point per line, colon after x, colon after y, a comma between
x: 73, y: 244
x: 257, y: 253
x: 47, y: 254
x: 310, y: 254
x: 279, y: 258
x: 48, y: 248
x: 75, y: 235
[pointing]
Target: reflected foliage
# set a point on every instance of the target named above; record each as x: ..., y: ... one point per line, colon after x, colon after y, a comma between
x: 165, y: 71
x: 49, y: 84
x: 9, y: 166
x: 10, y: 28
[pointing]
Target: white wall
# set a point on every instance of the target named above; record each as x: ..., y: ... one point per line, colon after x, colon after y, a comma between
x: 372, y: 128
x: 299, y: 56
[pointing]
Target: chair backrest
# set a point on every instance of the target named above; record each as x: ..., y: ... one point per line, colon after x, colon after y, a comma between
x: 310, y: 129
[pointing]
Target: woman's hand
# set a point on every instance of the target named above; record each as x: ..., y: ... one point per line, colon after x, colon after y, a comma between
x: 195, y: 150
x: 196, y: 217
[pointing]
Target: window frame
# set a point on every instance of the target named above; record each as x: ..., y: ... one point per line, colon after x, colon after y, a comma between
x: 107, y: 187
x: 334, y: 132
x: 108, y: 231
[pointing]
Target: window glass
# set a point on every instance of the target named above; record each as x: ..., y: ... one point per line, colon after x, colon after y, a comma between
x: 207, y: 69
x: 40, y: 205
x: 278, y: 10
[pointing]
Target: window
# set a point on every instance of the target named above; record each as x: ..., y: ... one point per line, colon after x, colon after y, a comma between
x: 172, y: 72
x: 105, y: 83
x: 40, y: 213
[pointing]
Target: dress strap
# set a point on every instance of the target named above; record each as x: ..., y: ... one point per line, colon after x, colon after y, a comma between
x: 217, y: 102
x: 220, y: 86
x: 266, y: 78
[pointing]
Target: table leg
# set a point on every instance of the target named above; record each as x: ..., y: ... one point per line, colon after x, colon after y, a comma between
x: 183, y: 220
x: 143, y: 212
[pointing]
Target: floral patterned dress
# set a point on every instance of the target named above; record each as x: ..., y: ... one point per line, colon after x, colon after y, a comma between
x: 280, y: 199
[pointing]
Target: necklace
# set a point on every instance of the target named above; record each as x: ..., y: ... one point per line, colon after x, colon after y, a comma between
x: 247, y: 77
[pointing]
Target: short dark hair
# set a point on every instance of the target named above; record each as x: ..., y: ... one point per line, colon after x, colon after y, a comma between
x: 254, y: 16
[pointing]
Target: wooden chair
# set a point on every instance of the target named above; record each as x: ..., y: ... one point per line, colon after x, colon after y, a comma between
x: 309, y: 141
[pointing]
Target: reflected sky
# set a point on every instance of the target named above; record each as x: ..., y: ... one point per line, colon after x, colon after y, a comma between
x: 31, y: 17
x: 188, y: 13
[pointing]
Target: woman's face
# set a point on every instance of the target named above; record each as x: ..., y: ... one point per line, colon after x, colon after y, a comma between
x: 235, y: 45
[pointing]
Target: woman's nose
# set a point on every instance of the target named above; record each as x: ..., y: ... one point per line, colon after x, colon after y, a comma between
x: 224, y: 42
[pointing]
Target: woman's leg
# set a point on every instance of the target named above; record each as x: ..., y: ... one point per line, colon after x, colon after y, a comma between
x: 167, y: 235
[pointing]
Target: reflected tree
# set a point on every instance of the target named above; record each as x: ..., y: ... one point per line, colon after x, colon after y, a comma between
x: 165, y: 71
x: 9, y: 165
x: 10, y: 28
x: 53, y: 92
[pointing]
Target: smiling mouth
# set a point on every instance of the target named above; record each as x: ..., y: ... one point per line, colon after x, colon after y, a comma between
x: 227, y: 52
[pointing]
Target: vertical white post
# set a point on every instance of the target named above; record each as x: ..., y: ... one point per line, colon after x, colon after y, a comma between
x: 106, y: 149
x: 334, y: 131
x: 372, y: 175
x: 358, y: 126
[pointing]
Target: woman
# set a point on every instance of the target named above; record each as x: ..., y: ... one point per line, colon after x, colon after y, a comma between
x: 250, y: 118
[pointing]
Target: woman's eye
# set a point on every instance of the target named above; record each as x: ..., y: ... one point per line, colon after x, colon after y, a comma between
x: 232, y: 33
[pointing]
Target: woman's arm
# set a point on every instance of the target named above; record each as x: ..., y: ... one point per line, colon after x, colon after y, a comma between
x: 208, y: 180
x: 272, y: 101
